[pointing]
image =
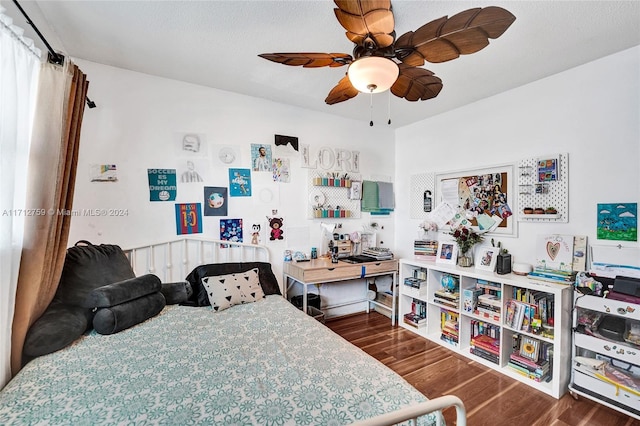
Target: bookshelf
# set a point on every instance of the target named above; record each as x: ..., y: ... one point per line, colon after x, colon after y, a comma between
x: 467, y: 312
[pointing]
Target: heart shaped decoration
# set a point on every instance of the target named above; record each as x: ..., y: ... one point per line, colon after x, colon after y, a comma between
x: 553, y: 249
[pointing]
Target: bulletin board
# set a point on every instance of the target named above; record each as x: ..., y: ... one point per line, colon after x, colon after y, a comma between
x: 486, y: 195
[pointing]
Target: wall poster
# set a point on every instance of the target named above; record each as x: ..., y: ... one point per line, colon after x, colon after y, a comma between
x: 188, y: 218
x: 486, y: 197
x: 618, y: 221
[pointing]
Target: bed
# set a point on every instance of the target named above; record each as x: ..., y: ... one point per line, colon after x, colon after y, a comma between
x: 264, y: 363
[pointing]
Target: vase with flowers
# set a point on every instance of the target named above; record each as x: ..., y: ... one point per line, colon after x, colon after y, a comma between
x: 427, y: 227
x: 466, y: 238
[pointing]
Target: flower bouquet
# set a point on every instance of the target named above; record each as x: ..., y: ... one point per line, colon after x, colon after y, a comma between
x: 466, y: 238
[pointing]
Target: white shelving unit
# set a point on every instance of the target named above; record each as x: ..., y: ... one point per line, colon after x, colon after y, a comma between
x: 558, y: 340
x: 593, y: 346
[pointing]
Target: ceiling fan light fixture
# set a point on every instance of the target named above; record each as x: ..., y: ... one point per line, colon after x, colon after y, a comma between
x: 373, y: 74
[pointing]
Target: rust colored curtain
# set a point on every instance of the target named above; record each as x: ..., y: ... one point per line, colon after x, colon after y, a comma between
x: 51, y: 180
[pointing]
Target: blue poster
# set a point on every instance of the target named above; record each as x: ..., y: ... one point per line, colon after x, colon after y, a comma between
x: 189, y: 218
x: 162, y: 184
x: 231, y: 230
x: 618, y: 221
x: 239, y: 182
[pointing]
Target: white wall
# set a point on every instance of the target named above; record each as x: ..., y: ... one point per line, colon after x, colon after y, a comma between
x: 135, y: 127
x: 590, y: 112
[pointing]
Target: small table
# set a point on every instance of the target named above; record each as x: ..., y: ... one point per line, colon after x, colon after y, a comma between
x: 321, y: 270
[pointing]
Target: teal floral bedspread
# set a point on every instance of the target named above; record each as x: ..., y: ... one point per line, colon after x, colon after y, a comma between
x: 263, y: 363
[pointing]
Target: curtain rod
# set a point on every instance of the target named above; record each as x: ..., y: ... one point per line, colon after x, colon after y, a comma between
x: 53, y: 56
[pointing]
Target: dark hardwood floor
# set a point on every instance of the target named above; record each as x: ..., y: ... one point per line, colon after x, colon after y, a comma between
x: 490, y: 398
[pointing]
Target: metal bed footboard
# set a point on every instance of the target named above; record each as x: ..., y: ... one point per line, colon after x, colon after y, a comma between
x: 412, y: 413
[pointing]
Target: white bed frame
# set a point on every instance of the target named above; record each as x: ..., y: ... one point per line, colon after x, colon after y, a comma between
x: 174, y: 260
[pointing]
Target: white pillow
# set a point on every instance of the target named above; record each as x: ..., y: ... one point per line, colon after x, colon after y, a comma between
x: 225, y: 291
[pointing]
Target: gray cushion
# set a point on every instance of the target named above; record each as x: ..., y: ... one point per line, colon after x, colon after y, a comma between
x: 58, y: 327
x: 86, y: 267
x: 119, y: 317
x: 123, y: 291
x: 177, y: 292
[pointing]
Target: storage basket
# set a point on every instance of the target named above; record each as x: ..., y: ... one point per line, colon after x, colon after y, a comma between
x: 316, y: 313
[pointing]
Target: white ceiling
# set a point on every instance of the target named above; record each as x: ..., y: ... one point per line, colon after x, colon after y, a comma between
x: 216, y: 43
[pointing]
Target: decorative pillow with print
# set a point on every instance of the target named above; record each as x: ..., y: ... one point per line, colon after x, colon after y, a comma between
x: 225, y: 291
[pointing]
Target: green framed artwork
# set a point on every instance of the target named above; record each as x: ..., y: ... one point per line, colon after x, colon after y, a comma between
x: 618, y: 221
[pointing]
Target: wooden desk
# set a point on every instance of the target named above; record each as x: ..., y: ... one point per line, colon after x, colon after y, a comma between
x: 321, y: 270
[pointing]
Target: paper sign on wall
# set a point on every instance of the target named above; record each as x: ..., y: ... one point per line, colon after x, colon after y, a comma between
x: 162, y: 184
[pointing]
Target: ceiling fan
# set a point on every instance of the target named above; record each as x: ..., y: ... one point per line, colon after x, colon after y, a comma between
x: 381, y: 62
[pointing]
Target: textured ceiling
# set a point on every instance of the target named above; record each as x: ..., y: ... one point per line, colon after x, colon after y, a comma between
x: 216, y: 43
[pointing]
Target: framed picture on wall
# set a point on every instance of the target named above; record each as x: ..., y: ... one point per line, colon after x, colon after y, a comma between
x: 486, y: 258
x: 355, y: 192
x: 447, y: 252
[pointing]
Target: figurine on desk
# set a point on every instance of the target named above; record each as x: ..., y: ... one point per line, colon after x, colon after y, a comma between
x: 333, y: 252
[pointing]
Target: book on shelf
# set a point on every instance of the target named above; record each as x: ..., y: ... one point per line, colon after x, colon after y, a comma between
x: 414, y: 319
x: 487, y: 314
x: 447, y: 295
x: 488, y: 285
x: 450, y: 338
x: 542, y: 366
x: 419, y: 308
x: 420, y: 274
x: 425, y: 249
x: 489, y: 356
x: 448, y: 326
x: 538, y: 377
x: 486, y: 343
x: 524, y: 316
x: 553, y: 276
x: 470, y: 299
x: 445, y: 302
x: 413, y: 282
x: 488, y: 329
x: 490, y: 300
x: 518, y: 314
x: 446, y: 298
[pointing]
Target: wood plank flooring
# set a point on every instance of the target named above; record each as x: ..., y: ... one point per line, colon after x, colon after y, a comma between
x: 490, y: 398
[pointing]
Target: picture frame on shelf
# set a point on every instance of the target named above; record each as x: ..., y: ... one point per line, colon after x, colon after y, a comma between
x: 486, y: 258
x: 529, y: 348
x: 447, y: 252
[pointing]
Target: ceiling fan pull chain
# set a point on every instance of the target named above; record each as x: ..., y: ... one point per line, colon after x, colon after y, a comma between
x: 389, y: 109
x: 371, y: 109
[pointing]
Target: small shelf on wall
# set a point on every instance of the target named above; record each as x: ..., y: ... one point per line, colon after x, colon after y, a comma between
x: 330, y: 195
x: 332, y: 182
x: 534, y: 216
x: 536, y: 192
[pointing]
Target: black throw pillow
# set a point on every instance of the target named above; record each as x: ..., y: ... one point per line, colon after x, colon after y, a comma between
x: 268, y: 280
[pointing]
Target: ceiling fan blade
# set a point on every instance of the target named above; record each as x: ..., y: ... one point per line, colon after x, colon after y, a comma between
x: 415, y: 84
x: 445, y: 39
x: 342, y: 92
x: 309, y: 60
x: 367, y: 20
